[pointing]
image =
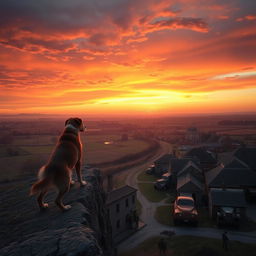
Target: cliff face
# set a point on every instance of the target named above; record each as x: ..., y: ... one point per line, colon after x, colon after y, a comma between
x: 83, y: 230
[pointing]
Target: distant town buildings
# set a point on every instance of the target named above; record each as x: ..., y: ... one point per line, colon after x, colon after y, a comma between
x: 192, y: 135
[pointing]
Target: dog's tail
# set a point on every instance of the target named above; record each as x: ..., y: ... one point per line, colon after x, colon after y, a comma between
x: 42, y: 184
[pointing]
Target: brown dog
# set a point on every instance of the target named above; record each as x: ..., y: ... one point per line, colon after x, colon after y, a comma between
x: 58, y: 171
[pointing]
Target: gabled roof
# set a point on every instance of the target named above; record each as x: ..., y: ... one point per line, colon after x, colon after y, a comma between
x: 228, y: 197
x: 190, y: 164
x: 247, y: 155
x: 119, y: 193
x: 185, y: 180
x: 230, y: 176
x: 177, y: 164
x: 202, y: 154
x: 230, y: 161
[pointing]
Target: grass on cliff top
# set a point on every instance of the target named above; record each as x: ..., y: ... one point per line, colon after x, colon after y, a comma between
x: 192, y: 246
x: 148, y: 190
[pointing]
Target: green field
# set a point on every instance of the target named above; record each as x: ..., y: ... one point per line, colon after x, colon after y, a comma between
x: 28, y: 153
x: 192, y: 246
x: 95, y: 151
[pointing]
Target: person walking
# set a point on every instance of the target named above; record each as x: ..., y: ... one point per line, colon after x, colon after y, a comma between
x: 162, y: 246
x: 225, y: 241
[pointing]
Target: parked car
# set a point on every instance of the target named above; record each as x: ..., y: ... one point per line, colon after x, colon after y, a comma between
x: 184, y: 210
x: 228, y: 216
x: 161, y: 184
x: 151, y: 169
x: 166, y: 176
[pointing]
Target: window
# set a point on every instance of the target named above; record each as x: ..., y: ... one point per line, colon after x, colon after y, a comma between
x: 118, y: 224
x: 133, y: 199
x: 127, y: 202
x: 117, y: 208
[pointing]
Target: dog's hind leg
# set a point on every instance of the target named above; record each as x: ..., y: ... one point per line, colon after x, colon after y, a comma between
x: 40, y: 201
x: 78, y: 173
x: 59, y: 202
x: 63, y: 188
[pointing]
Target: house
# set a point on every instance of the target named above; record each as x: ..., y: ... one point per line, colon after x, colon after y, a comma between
x: 193, y: 169
x: 187, y: 183
x: 234, y: 198
x: 182, y: 150
x: 231, y: 174
x: 207, y: 159
x: 121, y: 207
x: 162, y: 165
x: 177, y: 165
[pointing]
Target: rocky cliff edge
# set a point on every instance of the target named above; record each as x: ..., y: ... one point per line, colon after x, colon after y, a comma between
x: 83, y: 230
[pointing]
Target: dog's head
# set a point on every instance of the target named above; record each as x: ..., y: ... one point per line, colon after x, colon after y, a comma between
x: 76, y: 122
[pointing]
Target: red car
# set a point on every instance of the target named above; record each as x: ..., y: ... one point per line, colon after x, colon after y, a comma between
x: 184, y: 210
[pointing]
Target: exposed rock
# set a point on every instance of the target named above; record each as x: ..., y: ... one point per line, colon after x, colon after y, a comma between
x: 83, y: 230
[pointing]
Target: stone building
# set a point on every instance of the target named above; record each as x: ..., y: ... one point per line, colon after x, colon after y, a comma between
x: 121, y: 207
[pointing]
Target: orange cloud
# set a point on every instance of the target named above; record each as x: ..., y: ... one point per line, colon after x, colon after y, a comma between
x: 126, y: 56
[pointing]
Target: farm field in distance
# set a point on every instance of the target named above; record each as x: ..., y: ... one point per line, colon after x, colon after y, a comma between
x: 25, y: 144
x: 28, y: 153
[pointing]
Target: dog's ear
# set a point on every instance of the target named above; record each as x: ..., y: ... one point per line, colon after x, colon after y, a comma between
x: 78, y: 120
x: 67, y: 121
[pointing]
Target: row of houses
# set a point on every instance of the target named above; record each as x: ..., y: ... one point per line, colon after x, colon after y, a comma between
x: 218, y: 182
x: 222, y: 180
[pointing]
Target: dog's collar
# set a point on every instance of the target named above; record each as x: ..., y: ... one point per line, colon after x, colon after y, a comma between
x: 71, y: 128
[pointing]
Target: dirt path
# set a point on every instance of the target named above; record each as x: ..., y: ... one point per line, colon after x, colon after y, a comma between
x: 154, y: 228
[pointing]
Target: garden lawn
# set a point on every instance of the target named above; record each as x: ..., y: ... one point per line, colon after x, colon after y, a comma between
x: 143, y: 176
x: 164, y: 215
x: 147, y: 189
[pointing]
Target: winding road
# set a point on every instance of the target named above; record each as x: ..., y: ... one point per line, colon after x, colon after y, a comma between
x: 154, y: 228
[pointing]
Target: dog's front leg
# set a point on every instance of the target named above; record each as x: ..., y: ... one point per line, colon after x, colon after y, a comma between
x: 78, y: 173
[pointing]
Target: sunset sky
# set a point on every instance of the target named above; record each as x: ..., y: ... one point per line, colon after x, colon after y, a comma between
x: 120, y: 57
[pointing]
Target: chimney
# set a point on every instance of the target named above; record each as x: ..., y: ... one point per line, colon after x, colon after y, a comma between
x: 110, y: 183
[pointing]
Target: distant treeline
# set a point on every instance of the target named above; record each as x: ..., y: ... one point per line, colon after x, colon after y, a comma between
x: 237, y: 122
x: 153, y: 146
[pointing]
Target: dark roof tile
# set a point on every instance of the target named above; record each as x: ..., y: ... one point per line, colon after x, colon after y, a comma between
x: 228, y: 197
x: 119, y: 193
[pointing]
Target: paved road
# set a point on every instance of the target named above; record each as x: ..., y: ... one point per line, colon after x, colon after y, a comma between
x: 153, y: 228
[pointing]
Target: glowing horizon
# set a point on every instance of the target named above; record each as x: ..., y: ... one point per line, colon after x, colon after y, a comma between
x: 127, y: 57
